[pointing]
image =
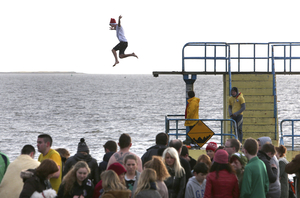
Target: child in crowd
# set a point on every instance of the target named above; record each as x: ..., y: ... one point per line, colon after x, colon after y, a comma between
x: 76, y: 183
x: 195, y: 187
x: 112, y: 186
x: 211, y: 149
x: 146, y: 187
x: 175, y: 183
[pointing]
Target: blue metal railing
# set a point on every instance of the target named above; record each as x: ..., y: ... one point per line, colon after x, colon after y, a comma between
x: 293, y: 131
x: 177, y: 128
x: 228, y: 57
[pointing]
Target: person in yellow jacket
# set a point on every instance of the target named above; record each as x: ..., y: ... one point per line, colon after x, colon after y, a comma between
x: 236, y: 107
x: 191, y: 112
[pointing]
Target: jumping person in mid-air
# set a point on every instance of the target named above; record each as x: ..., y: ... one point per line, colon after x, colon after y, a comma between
x: 123, y: 41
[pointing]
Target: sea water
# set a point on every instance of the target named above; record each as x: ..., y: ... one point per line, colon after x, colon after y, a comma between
x: 102, y: 107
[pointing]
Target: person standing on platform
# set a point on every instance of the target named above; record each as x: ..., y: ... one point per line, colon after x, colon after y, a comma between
x: 123, y: 41
x: 44, y: 143
x: 191, y: 112
x: 236, y: 107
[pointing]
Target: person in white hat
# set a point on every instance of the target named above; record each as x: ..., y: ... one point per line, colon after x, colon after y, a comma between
x: 122, y: 45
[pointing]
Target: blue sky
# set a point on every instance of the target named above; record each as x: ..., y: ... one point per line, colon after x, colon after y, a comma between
x: 72, y: 35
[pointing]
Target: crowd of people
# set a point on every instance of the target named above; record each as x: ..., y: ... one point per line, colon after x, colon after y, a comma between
x: 166, y: 170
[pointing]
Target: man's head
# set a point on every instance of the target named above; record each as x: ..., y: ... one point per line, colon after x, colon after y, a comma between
x: 177, y: 144
x: 162, y: 139
x: 124, y: 141
x: 234, y: 91
x: 232, y: 146
x: 110, y: 146
x: 44, y: 143
x: 28, y: 150
x: 191, y: 94
x: 250, y: 147
x: 269, y: 149
x: 83, y: 147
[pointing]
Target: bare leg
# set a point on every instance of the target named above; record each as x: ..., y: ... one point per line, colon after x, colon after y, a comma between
x: 127, y: 55
x: 116, y: 57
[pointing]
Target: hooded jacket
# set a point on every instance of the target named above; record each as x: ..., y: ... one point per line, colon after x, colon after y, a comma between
x: 103, y: 164
x: 264, y: 140
x: 71, y: 161
x: 272, y: 172
x: 33, y: 183
x: 194, y: 189
x: 192, y: 111
x: 153, y: 150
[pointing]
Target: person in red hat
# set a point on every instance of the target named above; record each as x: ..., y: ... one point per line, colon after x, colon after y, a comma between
x: 122, y: 45
x: 210, y: 149
x: 119, y: 169
x: 221, y: 181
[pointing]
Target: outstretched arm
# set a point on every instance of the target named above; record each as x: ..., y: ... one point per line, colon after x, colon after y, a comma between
x: 119, y: 22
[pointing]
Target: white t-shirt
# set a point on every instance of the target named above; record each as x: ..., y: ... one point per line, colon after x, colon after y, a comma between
x: 120, y: 34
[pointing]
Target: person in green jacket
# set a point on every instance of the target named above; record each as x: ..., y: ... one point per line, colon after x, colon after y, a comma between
x: 255, y: 180
x: 4, y: 162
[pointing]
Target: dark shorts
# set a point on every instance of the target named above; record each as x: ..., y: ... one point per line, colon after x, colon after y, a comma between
x: 122, y: 47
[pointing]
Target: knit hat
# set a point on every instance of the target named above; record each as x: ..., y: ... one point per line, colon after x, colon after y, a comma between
x: 117, y: 167
x: 240, y: 156
x: 211, y: 146
x: 221, y: 156
x: 113, y: 21
x: 82, y: 147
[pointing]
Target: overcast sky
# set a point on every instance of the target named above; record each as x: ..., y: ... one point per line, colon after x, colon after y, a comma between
x: 72, y: 35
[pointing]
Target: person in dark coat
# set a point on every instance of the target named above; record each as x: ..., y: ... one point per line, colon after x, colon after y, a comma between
x: 76, y: 183
x: 177, y: 144
x: 110, y: 147
x: 83, y: 155
x: 185, y: 154
x: 271, y: 170
x: 176, y: 183
x: 161, y: 143
x: 37, y: 180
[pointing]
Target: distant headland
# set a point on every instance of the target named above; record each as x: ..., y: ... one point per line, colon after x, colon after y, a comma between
x: 42, y: 72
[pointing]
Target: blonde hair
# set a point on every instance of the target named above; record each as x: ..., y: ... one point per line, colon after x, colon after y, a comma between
x: 205, y: 159
x: 158, y: 165
x: 147, y: 176
x: 111, y: 181
x: 179, y: 171
x: 70, y: 177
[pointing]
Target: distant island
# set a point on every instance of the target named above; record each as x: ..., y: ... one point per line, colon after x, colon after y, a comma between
x: 41, y: 72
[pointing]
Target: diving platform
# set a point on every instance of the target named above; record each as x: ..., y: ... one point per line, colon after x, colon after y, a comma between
x: 252, y: 67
